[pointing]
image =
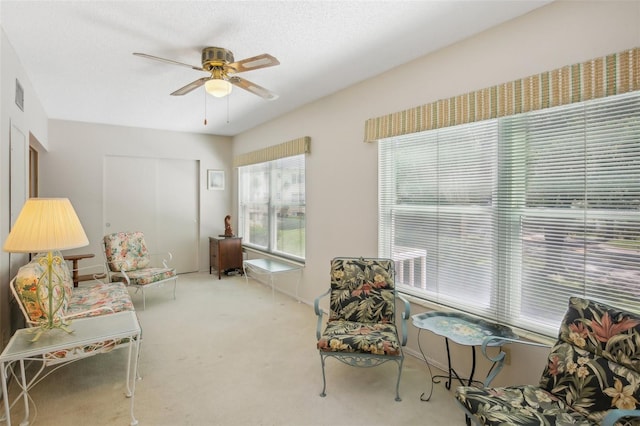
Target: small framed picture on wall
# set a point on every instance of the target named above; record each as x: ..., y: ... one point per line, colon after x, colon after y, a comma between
x: 215, y: 179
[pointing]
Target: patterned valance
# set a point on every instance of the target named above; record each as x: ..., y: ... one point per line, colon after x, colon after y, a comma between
x: 609, y: 75
x: 285, y: 149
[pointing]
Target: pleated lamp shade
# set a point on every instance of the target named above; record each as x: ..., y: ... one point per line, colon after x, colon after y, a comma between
x: 46, y: 224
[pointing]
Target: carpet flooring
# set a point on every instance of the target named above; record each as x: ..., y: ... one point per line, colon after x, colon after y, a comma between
x: 226, y: 352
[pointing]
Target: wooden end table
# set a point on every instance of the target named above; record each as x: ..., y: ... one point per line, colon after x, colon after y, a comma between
x: 74, y: 258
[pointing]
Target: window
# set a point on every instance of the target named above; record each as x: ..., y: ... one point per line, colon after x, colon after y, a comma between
x: 507, y: 218
x: 272, y: 206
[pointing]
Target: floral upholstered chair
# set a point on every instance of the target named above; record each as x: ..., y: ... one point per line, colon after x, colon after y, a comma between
x: 129, y: 261
x: 361, y: 329
x: 592, y: 376
x: 69, y: 303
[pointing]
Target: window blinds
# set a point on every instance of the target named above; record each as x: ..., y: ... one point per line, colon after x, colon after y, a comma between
x: 272, y: 206
x: 507, y: 218
x: 579, y: 207
x: 435, y: 198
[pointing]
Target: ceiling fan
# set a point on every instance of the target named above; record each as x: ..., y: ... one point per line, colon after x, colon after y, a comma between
x: 219, y: 63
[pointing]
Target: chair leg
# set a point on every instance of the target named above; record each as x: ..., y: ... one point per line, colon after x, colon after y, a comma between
x: 398, y: 382
x: 175, y: 283
x: 324, y: 380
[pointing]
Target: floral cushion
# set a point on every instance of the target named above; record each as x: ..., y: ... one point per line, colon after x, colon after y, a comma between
x: 87, y: 300
x: 349, y: 336
x: 596, y: 364
x: 145, y: 276
x: 603, y: 330
x: 362, y: 290
x: 362, y: 306
x: 519, y: 405
x: 27, y: 278
x: 593, y: 368
x: 126, y: 250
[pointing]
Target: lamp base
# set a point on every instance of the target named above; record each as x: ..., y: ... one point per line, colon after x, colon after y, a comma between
x: 50, y: 294
x: 39, y: 331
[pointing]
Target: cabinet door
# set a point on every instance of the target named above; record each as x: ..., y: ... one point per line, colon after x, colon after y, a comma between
x: 226, y: 249
x: 230, y: 253
x: 213, y: 254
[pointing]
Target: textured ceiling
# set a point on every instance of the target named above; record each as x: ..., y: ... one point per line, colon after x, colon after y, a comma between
x: 78, y: 54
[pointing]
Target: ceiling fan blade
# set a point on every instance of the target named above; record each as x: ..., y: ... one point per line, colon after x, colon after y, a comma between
x: 191, y: 86
x: 261, y: 61
x: 253, y: 88
x: 168, y: 61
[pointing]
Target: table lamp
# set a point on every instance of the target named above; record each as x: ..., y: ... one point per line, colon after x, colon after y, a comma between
x: 45, y: 225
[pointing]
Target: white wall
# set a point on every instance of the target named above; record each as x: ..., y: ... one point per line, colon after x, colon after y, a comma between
x: 73, y: 168
x: 32, y: 120
x: 341, y: 170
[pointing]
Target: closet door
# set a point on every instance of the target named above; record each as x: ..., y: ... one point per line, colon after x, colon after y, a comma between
x: 158, y: 197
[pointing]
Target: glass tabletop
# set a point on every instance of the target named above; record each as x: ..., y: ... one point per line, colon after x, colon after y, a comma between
x: 272, y: 266
x: 84, y: 331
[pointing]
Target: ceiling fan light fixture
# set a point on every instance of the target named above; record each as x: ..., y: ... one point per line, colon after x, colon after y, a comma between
x: 218, y: 87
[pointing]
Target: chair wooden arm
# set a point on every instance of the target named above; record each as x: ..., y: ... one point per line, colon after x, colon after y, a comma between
x: 319, y: 312
x: 616, y: 415
x: 498, y: 360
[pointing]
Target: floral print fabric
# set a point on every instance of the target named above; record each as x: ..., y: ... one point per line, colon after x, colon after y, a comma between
x: 83, y: 301
x: 64, y: 355
x: 362, y: 308
x: 126, y: 250
x: 362, y: 290
x: 37, y: 304
x: 347, y: 336
x: 88, y: 300
x: 593, y: 368
x: 76, y: 302
x: 145, y: 276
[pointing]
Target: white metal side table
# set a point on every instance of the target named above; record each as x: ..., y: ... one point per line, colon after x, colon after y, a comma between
x: 90, y: 336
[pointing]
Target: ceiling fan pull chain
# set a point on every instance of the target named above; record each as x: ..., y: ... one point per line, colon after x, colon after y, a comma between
x: 228, y: 109
x: 205, y: 106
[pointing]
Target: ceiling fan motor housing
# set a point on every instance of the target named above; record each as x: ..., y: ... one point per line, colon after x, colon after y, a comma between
x: 216, y: 57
